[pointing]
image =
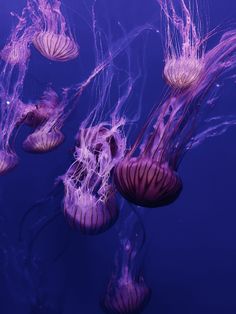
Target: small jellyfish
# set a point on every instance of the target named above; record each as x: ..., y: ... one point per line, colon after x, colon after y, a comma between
x: 184, y: 46
x: 36, y: 115
x: 127, y: 291
x: 89, y: 202
x: 149, y: 177
x: 53, y: 37
x: 46, y: 116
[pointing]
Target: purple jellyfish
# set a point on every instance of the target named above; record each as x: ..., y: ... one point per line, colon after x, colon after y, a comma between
x: 127, y: 291
x: 150, y: 178
x: 15, y: 56
x: 53, y: 37
x: 89, y: 202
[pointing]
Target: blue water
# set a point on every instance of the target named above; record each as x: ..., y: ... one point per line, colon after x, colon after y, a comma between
x: 190, y: 261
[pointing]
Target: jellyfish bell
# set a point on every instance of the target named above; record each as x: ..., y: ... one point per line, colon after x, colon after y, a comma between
x: 126, y: 297
x: 8, y: 161
x: 146, y: 182
x: 56, y: 47
x: 42, y: 141
x: 183, y: 72
x: 86, y: 212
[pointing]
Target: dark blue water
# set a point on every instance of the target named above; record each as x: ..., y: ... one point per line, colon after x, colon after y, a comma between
x: 190, y: 261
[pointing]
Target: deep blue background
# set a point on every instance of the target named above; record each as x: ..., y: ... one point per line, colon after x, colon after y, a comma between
x: 191, y: 245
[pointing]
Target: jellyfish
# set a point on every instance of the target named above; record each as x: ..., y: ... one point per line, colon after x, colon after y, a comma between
x: 184, y: 45
x: 53, y: 38
x: 127, y: 291
x: 35, y: 115
x: 14, y: 62
x: 89, y: 201
x: 149, y: 177
x: 46, y: 116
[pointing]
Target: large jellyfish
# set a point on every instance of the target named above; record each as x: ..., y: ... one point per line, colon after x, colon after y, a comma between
x: 149, y: 178
x: 53, y: 37
x: 127, y: 291
x: 15, y: 56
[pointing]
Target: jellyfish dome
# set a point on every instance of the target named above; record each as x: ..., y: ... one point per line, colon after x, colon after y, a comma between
x: 56, y: 47
x: 183, y: 72
x: 53, y: 38
x: 146, y: 182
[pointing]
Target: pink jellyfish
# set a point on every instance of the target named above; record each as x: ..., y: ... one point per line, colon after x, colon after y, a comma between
x: 149, y: 178
x: 184, y: 45
x: 15, y: 56
x: 127, y: 291
x: 53, y: 37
